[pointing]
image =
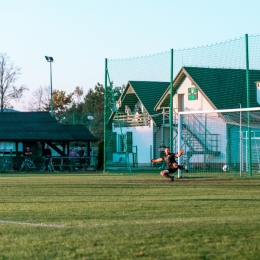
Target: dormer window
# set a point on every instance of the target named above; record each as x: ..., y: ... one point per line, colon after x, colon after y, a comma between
x: 258, y: 84
x: 258, y: 92
x: 192, y: 93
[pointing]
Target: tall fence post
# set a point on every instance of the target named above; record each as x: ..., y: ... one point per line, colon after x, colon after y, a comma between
x: 171, y: 102
x: 248, y: 113
x: 105, y: 121
x: 180, y: 118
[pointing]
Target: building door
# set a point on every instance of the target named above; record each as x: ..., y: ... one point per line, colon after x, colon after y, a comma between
x: 180, y: 102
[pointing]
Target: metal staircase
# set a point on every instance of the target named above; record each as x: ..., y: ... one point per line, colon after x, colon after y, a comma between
x: 196, y: 138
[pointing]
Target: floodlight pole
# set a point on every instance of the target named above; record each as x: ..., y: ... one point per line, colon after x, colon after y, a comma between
x: 171, y: 105
x: 51, y: 89
x: 50, y: 60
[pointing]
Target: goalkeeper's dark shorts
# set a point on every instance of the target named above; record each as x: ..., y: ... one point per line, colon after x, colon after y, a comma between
x: 172, y: 170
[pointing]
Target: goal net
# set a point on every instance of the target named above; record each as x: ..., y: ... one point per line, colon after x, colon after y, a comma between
x: 220, y: 141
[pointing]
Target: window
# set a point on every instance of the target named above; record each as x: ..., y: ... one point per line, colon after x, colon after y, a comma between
x: 123, y: 141
x: 192, y: 94
x: 120, y: 143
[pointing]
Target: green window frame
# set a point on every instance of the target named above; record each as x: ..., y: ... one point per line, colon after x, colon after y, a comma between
x: 121, y: 138
x: 120, y: 142
x: 192, y: 93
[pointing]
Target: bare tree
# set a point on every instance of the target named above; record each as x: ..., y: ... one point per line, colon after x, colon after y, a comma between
x: 8, y: 76
x: 40, y: 100
x: 78, y: 92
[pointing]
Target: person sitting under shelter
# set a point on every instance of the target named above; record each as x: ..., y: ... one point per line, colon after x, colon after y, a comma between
x: 47, y: 154
x: 81, y: 154
x: 27, y: 151
x: 72, y: 158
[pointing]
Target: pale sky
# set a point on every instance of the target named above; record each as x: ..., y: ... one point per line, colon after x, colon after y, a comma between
x: 80, y: 34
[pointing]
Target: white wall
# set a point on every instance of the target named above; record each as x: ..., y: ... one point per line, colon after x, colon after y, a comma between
x: 142, y: 137
x: 200, y: 104
x: 214, y: 123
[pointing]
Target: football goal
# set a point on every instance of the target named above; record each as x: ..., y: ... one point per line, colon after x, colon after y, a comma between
x: 220, y: 140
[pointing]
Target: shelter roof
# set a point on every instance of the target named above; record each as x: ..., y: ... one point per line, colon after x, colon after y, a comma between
x: 79, y: 132
x: 34, y: 126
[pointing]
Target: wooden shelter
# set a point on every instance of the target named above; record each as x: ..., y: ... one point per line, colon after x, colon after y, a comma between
x: 34, y: 129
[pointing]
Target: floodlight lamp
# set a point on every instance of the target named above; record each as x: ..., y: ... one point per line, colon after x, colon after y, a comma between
x: 49, y: 59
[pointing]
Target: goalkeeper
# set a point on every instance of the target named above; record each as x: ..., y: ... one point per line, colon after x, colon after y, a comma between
x: 170, y: 161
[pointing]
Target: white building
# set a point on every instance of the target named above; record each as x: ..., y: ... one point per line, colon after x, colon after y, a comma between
x: 136, y: 126
x: 210, y: 140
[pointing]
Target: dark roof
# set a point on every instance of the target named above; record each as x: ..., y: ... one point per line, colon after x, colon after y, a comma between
x: 79, y: 132
x: 148, y: 92
x: 32, y: 126
x: 224, y: 88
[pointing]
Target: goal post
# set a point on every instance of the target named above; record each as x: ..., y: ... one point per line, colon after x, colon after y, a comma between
x: 212, y: 139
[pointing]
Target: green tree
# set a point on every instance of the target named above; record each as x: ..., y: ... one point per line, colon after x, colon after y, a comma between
x: 61, y: 101
x: 93, y: 103
x: 8, y: 76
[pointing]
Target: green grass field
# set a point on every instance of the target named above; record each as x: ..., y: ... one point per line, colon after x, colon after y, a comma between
x: 143, y: 216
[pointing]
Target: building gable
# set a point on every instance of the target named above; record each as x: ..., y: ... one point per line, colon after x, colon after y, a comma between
x: 223, y: 88
x: 147, y: 93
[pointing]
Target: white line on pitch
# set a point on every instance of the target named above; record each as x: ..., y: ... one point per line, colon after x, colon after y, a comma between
x: 31, y: 224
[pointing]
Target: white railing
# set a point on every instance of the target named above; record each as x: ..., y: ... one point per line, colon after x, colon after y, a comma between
x: 137, y: 119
